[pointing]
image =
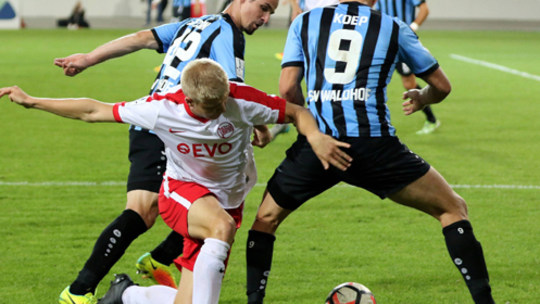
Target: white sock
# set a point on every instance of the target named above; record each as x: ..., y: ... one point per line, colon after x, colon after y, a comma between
x: 208, y: 271
x: 156, y: 294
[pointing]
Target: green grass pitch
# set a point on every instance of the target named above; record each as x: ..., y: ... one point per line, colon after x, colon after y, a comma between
x: 487, y: 147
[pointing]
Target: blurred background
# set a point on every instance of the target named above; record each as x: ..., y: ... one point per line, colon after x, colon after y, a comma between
x: 444, y: 14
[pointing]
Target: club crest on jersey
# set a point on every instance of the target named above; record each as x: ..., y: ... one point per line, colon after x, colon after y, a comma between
x: 225, y: 130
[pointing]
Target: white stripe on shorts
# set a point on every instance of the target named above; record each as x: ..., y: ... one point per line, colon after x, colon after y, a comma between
x: 173, y: 195
x: 184, y: 202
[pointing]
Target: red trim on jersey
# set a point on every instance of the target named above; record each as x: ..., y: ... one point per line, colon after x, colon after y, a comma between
x: 177, y: 97
x: 246, y: 92
x: 197, y: 117
x: 116, y: 114
x: 236, y: 90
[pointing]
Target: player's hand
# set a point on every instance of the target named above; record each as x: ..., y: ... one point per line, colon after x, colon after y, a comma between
x: 73, y: 64
x: 412, y: 101
x: 16, y: 95
x: 261, y: 136
x: 329, y: 152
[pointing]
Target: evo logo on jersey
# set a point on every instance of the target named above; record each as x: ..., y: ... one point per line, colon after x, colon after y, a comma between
x: 204, y: 150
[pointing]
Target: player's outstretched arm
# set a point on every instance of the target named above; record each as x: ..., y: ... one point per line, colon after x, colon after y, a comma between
x: 327, y: 148
x: 76, y: 63
x: 436, y: 91
x: 85, y: 109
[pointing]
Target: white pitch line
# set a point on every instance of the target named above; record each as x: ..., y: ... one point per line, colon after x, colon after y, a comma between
x: 496, y: 67
x: 122, y: 183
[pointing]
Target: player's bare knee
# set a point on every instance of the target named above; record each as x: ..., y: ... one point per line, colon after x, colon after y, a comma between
x: 455, y: 210
x: 145, y: 204
x: 223, y: 229
x: 460, y: 206
x: 266, y: 222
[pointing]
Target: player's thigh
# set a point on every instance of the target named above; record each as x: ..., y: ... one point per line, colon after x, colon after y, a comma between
x: 300, y: 177
x: 145, y: 203
x: 207, y: 219
x: 432, y: 195
x: 185, y: 288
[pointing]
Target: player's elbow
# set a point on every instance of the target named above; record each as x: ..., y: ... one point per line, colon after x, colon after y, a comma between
x: 440, y: 84
x: 292, y: 95
x: 445, y: 89
x: 145, y: 39
x: 286, y: 93
x: 89, y: 117
x: 439, y: 93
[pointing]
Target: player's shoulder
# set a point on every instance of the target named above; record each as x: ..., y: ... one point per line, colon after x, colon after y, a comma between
x: 245, y: 92
x: 210, y: 21
x: 390, y: 19
x: 237, y: 88
x: 173, y: 94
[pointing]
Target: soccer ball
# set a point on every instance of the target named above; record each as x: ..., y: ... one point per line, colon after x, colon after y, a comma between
x: 350, y: 293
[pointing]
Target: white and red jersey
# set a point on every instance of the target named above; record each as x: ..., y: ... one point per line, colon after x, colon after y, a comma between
x: 214, y: 153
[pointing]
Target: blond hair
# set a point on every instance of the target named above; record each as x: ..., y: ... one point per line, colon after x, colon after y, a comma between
x: 203, y: 80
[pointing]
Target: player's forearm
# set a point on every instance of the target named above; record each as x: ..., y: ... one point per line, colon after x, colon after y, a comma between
x: 122, y: 46
x: 430, y: 95
x: 437, y: 89
x: 84, y: 109
x: 305, y: 123
x: 290, y: 87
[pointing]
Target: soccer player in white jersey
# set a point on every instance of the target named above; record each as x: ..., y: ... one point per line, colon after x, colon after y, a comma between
x: 206, y: 126
x: 219, y: 37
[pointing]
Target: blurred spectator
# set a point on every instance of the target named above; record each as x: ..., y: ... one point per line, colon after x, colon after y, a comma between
x: 198, y: 8
x: 181, y: 9
x: 158, y: 5
x: 76, y: 19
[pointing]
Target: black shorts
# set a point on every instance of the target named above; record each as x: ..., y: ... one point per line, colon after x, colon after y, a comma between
x: 403, y: 69
x: 148, y: 161
x: 381, y: 165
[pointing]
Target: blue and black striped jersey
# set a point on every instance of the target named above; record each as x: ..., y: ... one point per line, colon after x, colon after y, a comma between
x: 348, y: 53
x: 211, y: 36
x: 405, y: 10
